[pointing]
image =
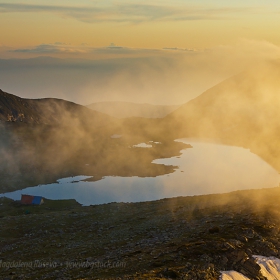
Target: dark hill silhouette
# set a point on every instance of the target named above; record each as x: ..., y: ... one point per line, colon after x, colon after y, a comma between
x: 48, y: 111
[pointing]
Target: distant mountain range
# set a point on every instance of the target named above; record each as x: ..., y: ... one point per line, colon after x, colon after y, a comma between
x: 129, y: 109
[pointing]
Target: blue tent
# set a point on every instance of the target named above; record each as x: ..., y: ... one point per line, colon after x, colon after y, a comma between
x: 37, y: 200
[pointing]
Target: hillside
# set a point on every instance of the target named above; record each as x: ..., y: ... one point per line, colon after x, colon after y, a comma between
x: 49, y: 111
x: 42, y: 140
x: 129, y: 109
x: 242, y: 110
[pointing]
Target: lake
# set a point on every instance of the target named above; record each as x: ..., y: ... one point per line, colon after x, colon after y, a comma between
x: 206, y: 168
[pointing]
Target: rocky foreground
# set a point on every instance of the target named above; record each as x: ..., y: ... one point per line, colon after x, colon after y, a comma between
x: 177, y: 238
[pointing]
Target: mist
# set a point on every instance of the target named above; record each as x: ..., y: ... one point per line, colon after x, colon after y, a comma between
x: 169, y: 76
x: 56, y: 138
x: 43, y: 140
x: 150, y: 130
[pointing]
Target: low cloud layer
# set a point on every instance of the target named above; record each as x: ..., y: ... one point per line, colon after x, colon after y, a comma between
x: 116, y: 73
x: 50, y: 49
x: 62, y: 48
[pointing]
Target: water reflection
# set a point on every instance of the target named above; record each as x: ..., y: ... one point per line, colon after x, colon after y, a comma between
x: 206, y: 168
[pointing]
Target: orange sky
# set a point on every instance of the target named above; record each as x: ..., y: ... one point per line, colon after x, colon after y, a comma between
x: 137, y: 24
x: 155, y: 51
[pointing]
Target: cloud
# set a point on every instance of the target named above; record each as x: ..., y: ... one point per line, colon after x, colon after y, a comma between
x: 51, y: 49
x: 127, y: 12
x: 244, y: 49
x: 63, y: 48
x: 171, y: 76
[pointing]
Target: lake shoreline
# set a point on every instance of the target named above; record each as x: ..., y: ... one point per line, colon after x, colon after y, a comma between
x: 206, y: 168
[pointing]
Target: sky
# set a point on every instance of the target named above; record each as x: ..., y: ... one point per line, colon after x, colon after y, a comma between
x: 165, y: 52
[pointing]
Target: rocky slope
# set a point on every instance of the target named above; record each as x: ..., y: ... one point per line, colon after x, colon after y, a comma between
x: 179, y: 238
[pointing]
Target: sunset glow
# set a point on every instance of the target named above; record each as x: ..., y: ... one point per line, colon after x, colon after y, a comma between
x: 186, y: 41
x: 136, y: 24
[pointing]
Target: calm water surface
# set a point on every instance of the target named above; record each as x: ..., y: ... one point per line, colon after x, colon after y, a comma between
x: 204, y: 169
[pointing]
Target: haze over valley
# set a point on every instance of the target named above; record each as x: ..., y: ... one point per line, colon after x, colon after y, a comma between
x: 139, y: 140
x: 233, y: 112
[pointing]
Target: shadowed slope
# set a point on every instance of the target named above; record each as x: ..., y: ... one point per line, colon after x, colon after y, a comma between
x: 47, y: 111
x: 242, y: 110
